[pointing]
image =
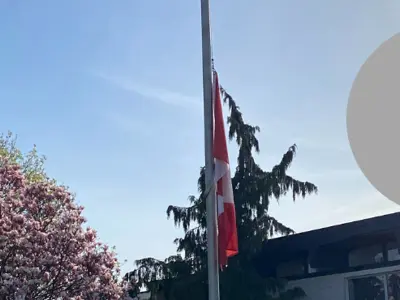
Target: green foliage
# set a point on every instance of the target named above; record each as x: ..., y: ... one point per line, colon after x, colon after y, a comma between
x: 185, y: 277
x: 32, y: 164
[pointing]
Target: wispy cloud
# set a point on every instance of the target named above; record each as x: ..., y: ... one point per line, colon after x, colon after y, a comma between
x: 328, y: 173
x: 153, y: 93
x: 366, y: 205
x: 129, y: 125
x: 322, y: 144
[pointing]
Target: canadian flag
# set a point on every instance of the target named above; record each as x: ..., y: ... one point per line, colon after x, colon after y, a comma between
x: 227, y: 232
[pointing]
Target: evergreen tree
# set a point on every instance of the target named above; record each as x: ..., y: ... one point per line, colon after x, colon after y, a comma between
x: 185, y: 276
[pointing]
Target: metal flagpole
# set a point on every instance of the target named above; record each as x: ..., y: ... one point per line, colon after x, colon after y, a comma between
x: 212, y: 259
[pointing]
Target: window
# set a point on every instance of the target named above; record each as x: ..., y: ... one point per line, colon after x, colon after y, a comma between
x: 290, y: 268
x: 313, y: 270
x: 380, y: 287
x: 393, y: 286
x: 367, y: 288
x: 327, y: 259
x: 366, y: 256
x: 319, y: 269
x: 393, y: 252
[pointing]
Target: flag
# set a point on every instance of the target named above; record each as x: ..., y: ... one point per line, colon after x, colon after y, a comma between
x: 227, y: 232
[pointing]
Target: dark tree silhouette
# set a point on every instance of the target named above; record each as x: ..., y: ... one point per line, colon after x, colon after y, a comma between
x: 184, y: 276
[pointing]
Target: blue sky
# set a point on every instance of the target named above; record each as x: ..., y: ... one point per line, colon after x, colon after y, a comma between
x: 111, y: 92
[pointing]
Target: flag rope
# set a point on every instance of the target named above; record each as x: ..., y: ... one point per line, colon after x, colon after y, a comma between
x: 210, y: 186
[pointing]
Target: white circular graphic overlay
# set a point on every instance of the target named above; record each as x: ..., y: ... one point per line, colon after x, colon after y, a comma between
x: 373, y: 119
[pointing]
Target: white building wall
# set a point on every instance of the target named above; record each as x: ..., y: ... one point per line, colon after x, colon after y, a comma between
x: 144, y: 296
x: 333, y: 287
x: 140, y: 296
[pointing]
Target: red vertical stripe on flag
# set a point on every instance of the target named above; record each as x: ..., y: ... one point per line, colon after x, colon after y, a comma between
x: 227, y: 232
x: 220, y: 146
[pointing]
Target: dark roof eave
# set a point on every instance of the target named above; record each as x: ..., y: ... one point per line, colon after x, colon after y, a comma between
x: 315, y: 238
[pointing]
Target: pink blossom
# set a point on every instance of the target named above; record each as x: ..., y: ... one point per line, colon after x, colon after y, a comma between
x: 44, y: 249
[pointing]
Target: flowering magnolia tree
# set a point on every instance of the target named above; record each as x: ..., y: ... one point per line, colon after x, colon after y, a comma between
x: 45, y: 252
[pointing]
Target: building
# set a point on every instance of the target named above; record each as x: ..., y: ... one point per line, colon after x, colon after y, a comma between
x: 140, y: 296
x: 143, y: 296
x: 353, y: 261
